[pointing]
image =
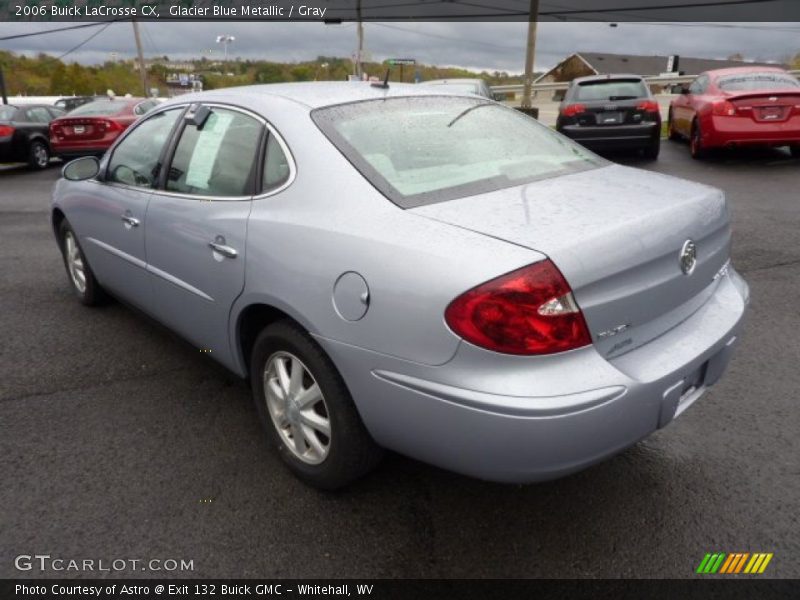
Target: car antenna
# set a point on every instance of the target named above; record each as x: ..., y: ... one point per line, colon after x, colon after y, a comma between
x: 385, y: 83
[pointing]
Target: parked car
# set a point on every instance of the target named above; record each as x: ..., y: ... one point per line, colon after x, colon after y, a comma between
x: 395, y: 268
x: 742, y: 106
x: 72, y: 102
x: 465, y: 86
x: 611, y: 112
x: 24, y: 133
x: 92, y: 128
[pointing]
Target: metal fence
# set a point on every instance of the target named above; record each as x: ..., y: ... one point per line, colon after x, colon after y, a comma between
x: 659, y: 80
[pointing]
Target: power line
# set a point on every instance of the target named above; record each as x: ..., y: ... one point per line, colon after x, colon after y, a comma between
x: 445, y: 37
x: 46, y: 31
x: 84, y: 42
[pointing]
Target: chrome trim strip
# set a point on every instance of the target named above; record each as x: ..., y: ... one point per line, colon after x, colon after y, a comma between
x: 118, y: 253
x: 179, y: 282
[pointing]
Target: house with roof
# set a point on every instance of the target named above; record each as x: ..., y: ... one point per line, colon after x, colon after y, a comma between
x: 599, y: 63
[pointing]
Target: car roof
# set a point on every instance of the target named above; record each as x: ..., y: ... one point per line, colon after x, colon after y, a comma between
x: 446, y: 81
x: 318, y: 94
x: 592, y: 78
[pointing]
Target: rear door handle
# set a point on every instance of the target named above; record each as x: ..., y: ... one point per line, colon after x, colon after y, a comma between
x: 131, y: 221
x: 223, y: 249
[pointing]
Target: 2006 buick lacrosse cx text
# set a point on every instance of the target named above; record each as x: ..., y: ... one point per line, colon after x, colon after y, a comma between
x: 402, y: 267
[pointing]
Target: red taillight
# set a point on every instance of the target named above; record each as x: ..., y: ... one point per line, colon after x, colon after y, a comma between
x: 6, y: 130
x: 107, y: 125
x: 55, y: 129
x: 723, y: 109
x: 528, y: 311
x: 570, y: 110
x: 648, y: 106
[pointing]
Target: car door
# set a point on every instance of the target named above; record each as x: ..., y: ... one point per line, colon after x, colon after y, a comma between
x: 196, y: 224
x: 110, y: 219
x: 685, y: 108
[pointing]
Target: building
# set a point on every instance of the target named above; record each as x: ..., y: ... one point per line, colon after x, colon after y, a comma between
x: 598, y: 63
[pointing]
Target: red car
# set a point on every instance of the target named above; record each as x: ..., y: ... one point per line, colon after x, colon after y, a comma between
x: 93, y: 127
x: 738, y: 107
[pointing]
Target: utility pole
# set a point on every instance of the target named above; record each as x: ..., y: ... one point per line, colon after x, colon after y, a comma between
x: 533, y: 19
x: 142, y: 70
x: 3, y: 87
x: 360, y: 30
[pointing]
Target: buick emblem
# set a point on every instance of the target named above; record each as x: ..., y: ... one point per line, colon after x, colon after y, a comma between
x: 688, y: 257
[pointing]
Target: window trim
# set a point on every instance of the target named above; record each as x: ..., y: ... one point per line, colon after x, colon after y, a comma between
x: 160, y: 188
x: 102, y: 176
x: 269, y: 130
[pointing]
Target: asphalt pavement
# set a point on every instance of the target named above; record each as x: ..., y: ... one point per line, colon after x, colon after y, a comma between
x: 119, y: 441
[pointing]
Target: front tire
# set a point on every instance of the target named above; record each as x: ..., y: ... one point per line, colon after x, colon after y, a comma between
x: 80, y: 275
x: 307, y: 411
x: 38, y: 155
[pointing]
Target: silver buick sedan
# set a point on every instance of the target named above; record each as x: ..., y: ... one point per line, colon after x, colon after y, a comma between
x: 405, y: 268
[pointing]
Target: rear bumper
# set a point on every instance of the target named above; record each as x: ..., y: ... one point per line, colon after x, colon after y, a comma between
x: 72, y: 149
x: 614, y: 136
x: 521, y: 419
x: 728, y: 131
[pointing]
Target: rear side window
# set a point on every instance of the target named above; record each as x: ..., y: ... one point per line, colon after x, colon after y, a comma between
x: 611, y: 90
x: 217, y: 159
x: 38, y: 115
x: 136, y: 159
x: 276, y: 166
x: 766, y: 80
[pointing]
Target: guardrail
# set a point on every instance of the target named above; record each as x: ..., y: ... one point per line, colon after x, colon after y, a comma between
x: 563, y: 85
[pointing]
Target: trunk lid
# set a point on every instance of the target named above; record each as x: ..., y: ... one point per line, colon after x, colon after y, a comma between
x: 77, y: 128
x: 772, y: 106
x: 612, y: 113
x: 617, y: 235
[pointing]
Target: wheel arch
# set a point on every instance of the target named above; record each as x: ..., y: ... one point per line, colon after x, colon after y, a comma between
x: 57, y: 217
x: 249, y: 320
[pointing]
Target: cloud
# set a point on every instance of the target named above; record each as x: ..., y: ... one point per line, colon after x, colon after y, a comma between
x: 490, y: 46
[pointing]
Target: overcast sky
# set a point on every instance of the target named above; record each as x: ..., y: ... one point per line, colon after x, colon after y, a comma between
x: 490, y: 46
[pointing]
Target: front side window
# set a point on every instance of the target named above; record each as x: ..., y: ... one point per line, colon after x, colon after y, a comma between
x: 136, y: 159
x: 426, y: 149
x: 217, y: 159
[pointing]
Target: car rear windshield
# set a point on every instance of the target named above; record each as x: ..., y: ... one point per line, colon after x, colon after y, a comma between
x: 610, y: 90
x: 766, y: 80
x: 100, y: 108
x: 425, y: 149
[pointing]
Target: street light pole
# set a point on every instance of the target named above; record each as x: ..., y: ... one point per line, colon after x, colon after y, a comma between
x: 533, y: 19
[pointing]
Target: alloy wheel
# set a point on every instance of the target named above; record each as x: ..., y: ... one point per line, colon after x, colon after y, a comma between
x: 41, y: 156
x: 74, y: 262
x: 297, y: 408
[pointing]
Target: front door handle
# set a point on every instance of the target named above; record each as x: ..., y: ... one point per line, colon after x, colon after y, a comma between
x: 130, y: 221
x: 223, y: 249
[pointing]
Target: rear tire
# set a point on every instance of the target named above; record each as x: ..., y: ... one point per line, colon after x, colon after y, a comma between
x: 38, y: 155
x: 652, y: 150
x: 79, y: 273
x: 318, y: 434
x: 696, y: 142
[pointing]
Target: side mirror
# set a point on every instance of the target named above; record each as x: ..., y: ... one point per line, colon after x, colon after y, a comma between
x: 684, y: 91
x: 81, y: 169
